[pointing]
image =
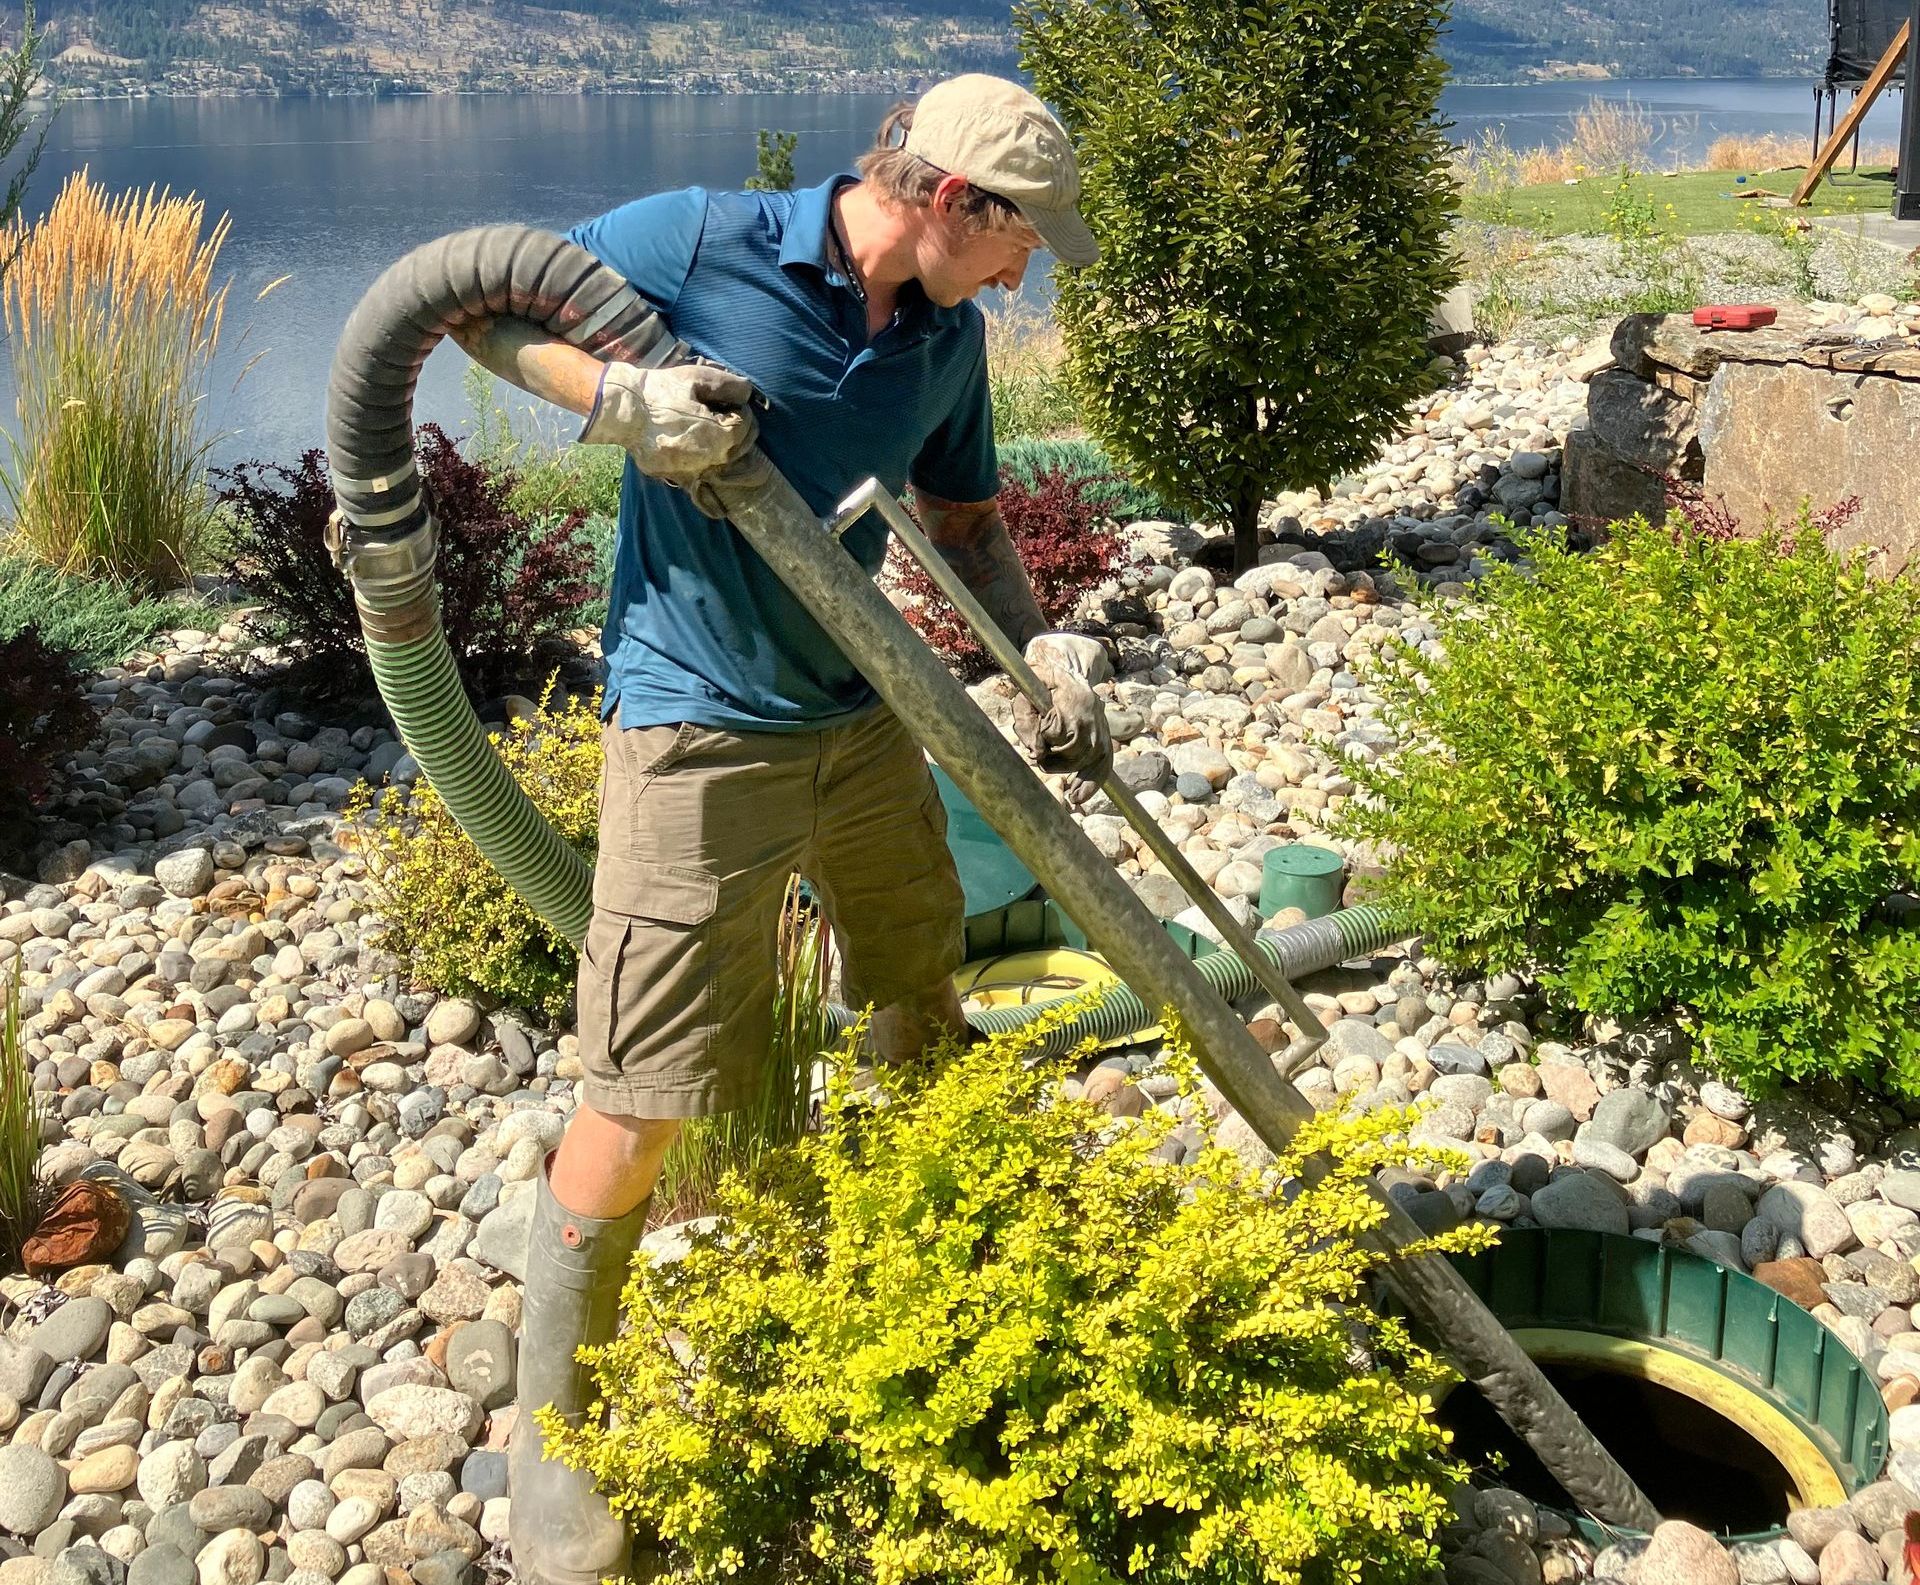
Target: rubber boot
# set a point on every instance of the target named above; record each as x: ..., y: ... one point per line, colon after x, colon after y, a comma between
x: 560, y: 1528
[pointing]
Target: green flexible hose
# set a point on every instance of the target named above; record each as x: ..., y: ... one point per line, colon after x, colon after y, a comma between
x: 1297, y: 950
x: 422, y: 689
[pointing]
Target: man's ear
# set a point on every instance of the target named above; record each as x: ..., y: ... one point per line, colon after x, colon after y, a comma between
x: 946, y: 194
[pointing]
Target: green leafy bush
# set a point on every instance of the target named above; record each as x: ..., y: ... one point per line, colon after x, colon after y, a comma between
x: 448, y: 911
x: 1679, y: 772
x: 99, y: 620
x: 980, y: 1333
x: 1026, y: 462
x: 1269, y: 182
x: 602, y: 535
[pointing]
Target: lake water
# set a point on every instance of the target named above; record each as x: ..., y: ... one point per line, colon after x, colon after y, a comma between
x: 329, y: 192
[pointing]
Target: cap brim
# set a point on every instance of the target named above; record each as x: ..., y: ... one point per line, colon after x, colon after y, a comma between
x: 1065, y: 234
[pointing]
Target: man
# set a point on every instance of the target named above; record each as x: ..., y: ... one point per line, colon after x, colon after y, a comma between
x: 740, y: 744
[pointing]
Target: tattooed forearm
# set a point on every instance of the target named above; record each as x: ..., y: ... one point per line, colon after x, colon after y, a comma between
x: 974, y: 541
x: 527, y: 356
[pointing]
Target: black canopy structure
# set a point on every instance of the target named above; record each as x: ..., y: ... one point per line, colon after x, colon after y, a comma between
x: 1872, y: 45
x: 1859, y: 32
x: 1906, y: 190
x: 1858, y: 35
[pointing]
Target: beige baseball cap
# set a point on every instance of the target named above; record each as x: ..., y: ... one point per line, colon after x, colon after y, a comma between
x: 1006, y: 142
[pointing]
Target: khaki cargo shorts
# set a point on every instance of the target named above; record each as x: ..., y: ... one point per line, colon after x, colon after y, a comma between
x: 699, y: 831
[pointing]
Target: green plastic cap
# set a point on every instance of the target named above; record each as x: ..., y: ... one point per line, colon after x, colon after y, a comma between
x: 1301, y: 876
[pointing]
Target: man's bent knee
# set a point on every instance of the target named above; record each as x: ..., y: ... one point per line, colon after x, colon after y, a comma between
x: 606, y: 1165
x: 917, y: 1021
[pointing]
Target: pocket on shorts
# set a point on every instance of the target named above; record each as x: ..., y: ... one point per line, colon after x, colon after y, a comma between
x: 643, y: 889
x: 649, y: 750
x: 646, y: 1009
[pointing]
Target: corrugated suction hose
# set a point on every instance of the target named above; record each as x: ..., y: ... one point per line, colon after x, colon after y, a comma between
x: 384, y: 535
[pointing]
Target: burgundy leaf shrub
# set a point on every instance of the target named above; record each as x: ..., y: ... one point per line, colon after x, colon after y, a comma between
x: 1711, y: 518
x: 506, y: 581
x: 1065, y: 536
x: 44, y: 713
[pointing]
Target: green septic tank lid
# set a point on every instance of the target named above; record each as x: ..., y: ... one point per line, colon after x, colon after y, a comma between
x: 1301, y: 858
x: 1558, y: 1282
x: 1296, y: 875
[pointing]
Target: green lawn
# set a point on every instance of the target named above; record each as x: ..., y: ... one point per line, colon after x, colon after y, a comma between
x: 1700, y: 200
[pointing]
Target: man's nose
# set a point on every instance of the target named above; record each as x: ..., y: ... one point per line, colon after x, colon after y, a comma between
x: 1010, y: 278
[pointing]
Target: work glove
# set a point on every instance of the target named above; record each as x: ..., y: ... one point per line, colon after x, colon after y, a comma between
x: 1070, y: 737
x: 680, y: 424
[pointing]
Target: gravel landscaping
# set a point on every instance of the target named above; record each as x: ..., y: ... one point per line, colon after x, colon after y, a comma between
x: 296, y: 1359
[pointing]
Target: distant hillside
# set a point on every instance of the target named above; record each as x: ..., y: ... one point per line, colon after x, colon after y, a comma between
x: 118, y: 46
x: 565, y: 45
x: 1509, y: 40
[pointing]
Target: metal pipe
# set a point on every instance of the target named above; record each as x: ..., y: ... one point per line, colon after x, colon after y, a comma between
x: 935, y: 708
x: 998, y: 643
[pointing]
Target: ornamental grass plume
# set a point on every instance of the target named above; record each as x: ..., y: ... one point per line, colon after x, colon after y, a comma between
x: 113, y: 318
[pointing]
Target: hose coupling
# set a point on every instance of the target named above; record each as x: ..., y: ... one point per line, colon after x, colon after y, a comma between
x: 392, y: 576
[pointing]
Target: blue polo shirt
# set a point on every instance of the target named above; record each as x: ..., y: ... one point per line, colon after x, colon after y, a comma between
x: 699, y: 628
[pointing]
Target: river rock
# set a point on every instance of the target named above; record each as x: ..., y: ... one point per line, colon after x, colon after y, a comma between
x: 76, y: 1330
x: 480, y: 1360
x: 86, y: 1222
x: 1681, y: 1554
x: 414, y: 1411
x: 453, y: 1022
x: 32, y: 1488
x: 1807, y: 1212
x: 1580, y: 1200
x: 235, y: 1557
x: 188, y: 873
x: 1629, y: 1120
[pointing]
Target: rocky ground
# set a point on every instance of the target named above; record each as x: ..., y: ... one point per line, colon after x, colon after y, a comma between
x: 297, y: 1360
x: 1579, y: 283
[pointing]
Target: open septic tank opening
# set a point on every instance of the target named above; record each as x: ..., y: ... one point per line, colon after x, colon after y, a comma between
x: 1691, y: 1463
x: 1727, y: 1403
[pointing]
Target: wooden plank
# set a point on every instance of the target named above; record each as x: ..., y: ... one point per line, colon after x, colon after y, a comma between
x: 1856, y: 113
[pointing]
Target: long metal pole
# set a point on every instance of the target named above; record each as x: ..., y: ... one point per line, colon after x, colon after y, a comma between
x: 872, y: 497
x: 985, y: 767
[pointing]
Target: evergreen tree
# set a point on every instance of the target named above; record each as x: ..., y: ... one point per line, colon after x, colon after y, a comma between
x: 773, y: 168
x: 1269, y: 183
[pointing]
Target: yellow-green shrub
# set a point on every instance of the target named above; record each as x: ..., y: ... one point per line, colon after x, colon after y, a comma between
x: 462, y: 928
x: 981, y: 1334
